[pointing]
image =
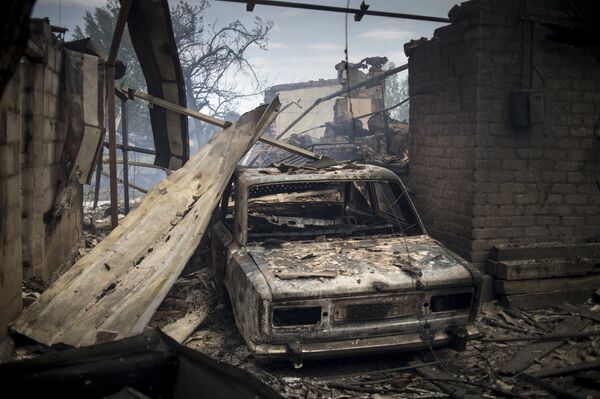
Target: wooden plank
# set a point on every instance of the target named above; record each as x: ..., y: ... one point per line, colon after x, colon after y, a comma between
x: 557, y: 391
x: 566, y: 370
x: 541, y: 268
x: 544, y: 250
x: 120, y: 283
x: 580, y: 311
x: 527, y: 355
x: 182, y: 328
x: 507, y: 287
x: 544, y: 299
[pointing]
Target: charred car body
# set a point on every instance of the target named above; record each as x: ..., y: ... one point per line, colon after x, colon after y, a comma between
x: 334, y: 262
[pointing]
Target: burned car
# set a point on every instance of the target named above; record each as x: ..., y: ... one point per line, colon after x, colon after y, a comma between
x: 334, y: 262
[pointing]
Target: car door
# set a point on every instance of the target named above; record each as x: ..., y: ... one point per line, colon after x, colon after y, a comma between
x: 222, y: 236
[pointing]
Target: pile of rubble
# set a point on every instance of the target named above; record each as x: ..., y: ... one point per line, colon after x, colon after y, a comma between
x: 542, y: 353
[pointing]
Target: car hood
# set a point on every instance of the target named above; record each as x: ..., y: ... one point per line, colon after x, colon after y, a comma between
x: 341, y: 267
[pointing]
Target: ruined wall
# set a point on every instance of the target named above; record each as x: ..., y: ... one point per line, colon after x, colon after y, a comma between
x: 10, y: 204
x: 46, y: 239
x: 307, y: 92
x: 480, y: 181
x: 443, y: 111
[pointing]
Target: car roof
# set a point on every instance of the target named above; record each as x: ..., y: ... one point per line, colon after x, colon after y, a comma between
x: 285, y: 173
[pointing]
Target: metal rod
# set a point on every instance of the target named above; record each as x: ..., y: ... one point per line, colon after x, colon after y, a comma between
x: 134, y: 149
x: 355, y: 11
x: 175, y: 107
x: 110, y: 109
x: 366, y: 82
x: 291, y: 148
x: 140, y: 189
x: 98, y: 176
x: 218, y: 122
x: 386, y: 124
x: 125, y: 138
x: 144, y: 165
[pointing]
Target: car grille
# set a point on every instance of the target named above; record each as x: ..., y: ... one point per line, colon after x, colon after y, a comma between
x: 384, y: 308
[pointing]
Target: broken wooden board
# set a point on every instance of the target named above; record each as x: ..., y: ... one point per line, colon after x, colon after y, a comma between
x: 541, y: 268
x: 182, y: 328
x: 544, y: 250
x: 117, y: 287
x: 540, y: 300
x: 529, y: 354
x: 586, y: 283
x: 580, y: 311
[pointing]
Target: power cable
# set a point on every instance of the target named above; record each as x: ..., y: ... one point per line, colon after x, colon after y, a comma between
x: 348, y: 79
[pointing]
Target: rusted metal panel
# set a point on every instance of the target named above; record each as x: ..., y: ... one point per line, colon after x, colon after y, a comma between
x: 151, y: 32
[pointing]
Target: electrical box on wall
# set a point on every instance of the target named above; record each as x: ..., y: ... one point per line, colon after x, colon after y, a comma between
x: 526, y: 107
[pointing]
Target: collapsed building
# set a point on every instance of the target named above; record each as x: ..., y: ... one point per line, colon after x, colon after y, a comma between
x: 342, y: 125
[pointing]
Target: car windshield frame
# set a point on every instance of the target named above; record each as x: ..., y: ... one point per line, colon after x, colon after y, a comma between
x: 242, y: 197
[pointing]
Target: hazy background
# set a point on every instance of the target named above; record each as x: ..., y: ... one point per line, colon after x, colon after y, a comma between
x: 303, y: 44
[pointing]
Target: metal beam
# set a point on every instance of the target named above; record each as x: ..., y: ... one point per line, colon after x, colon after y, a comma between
x: 134, y: 149
x: 140, y: 189
x: 217, y: 122
x: 125, y: 138
x: 356, y: 11
x: 290, y: 148
x: 110, y: 108
x: 144, y: 165
x: 132, y: 93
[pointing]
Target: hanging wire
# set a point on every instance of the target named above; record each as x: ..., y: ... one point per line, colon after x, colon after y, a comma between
x: 348, y: 78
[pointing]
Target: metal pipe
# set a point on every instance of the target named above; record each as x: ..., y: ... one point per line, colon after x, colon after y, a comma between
x: 98, y: 177
x: 355, y: 11
x: 140, y: 189
x: 134, y: 149
x: 144, y: 165
x: 125, y: 138
x: 175, y: 107
x: 386, y: 124
x: 218, y: 122
x: 110, y: 109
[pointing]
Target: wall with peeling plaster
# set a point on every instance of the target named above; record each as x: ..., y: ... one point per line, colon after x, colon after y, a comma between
x: 478, y: 180
x: 307, y: 93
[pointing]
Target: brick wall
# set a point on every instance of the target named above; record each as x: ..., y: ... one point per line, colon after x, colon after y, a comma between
x: 479, y: 181
x: 46, y: 239
x: 10, y: 205
x: 443, y: 110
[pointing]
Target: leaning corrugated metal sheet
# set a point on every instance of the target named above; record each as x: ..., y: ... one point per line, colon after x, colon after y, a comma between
x: 116, y: 288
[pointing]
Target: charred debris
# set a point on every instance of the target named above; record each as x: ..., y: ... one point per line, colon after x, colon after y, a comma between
x: 315, y: 246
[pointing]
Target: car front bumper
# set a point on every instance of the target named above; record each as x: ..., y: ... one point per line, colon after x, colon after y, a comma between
x: 266, y: 353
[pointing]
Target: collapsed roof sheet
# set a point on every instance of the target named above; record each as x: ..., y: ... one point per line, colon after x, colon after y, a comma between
x: 116, y: 288
x: 151, y: 32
